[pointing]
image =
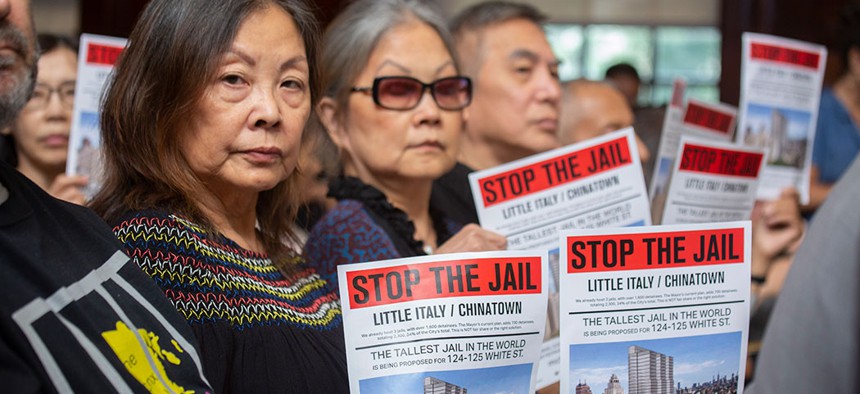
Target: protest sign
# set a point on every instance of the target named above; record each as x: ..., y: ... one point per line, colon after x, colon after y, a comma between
x: 706, y: 121
x: 96, y: 58
x: 667, y: 149
x: 471, y: 321
x: 712, y: 182
x: 659, y: 309
x: 592, y: 184
x: 780, y: 90
x: 595, y: 183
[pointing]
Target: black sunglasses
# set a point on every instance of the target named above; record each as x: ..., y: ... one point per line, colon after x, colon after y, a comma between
x: 404, y: 93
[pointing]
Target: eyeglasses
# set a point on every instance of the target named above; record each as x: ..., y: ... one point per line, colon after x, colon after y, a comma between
x: 404, y: 93
x: 42, y: 95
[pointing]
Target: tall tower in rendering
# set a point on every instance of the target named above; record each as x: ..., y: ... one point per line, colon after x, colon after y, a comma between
x: 436, y: 386
x: 614, y: 386
x: 649, y: 372
x: 583, y: 388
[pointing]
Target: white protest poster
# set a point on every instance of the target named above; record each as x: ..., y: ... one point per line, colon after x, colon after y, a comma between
x: 660, y: 309
x: 593, y: 184
x: 713, y: 182
x: 96, y: 58
x: 707, y: 121
x: 672, y: 120
x: 780, y: 90
x: 451, y: 323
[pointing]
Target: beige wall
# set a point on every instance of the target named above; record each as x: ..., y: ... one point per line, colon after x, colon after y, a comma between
x: 56, y: 16
x: 647, y: 12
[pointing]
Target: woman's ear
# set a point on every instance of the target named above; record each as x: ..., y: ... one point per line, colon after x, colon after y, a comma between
x: 327, y: 111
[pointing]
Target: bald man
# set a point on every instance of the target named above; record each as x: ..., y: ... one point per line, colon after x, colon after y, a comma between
x: 590, y: 109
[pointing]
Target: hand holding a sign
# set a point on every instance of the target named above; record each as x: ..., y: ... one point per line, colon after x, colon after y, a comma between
x: 777, y: 226
x: 777, y: 229
x: 473, y: 238
x: 69, y: 188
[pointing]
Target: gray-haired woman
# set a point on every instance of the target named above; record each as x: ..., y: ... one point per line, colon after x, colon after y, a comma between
x: 393, y: 102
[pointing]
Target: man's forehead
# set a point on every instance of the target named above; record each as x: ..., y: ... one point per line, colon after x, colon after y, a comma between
x: 514, y: 34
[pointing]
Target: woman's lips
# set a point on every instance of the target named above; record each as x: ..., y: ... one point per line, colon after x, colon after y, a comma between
x: 264, y: 155
x: 56, y: 140
x: 428, y: 145
x: 549, y: 124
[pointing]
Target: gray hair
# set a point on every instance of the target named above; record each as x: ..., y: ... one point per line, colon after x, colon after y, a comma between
x: 355, y: 32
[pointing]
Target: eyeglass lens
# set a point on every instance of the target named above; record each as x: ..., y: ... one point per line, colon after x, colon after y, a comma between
x: 42, y: 95
x: 451, y: 93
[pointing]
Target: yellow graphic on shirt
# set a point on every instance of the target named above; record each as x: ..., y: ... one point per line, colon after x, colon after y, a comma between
x: 127, y: 348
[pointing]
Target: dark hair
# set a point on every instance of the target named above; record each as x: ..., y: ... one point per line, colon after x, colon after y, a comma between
x: 848, y: 31
x: 489, y: 13
x: 172, y: 55
x: 473, y: 20
x: 621, y: 70
x: 47, y: 43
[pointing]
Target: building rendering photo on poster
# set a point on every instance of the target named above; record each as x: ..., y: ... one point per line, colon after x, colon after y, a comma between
x: 451, y: 323
x: 96, y: 58
x: 780, y: 91
x: 662, y: 309
x: 593, y: 184
x: 713, y: 182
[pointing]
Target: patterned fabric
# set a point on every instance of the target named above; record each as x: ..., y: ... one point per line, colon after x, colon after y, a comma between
x: 347, y: 234
x: 245, y: 313
x: 207, y: 280
x: 364, y: 227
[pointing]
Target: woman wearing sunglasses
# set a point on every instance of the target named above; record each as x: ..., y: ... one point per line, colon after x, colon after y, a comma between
x: 394, y: 105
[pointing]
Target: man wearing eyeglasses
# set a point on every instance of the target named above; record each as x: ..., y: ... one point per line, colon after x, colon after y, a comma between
x: 515, y: 102
x: 37, y: 143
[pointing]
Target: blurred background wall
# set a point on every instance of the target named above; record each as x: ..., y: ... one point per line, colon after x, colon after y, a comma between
x: 696, y: 39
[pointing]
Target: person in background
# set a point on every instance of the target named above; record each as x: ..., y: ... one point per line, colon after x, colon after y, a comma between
x: 393, y: 104
x: 76, y: 315
x: 811, y: 343
x: 37, y: 142
x: 590, y: 109
x: 626, y: 79
x: 317, y: 165
x: 837, y: 137
x: 201, y: 129
x: 777, y: 230
x: 514, y: 111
